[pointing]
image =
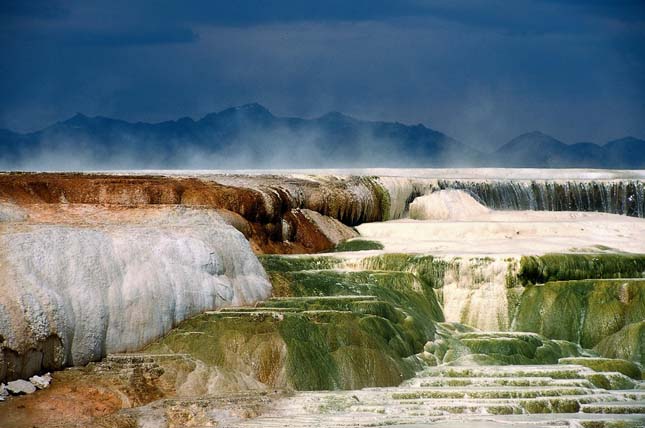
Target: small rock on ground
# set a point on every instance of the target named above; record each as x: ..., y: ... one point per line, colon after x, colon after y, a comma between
x: 41, y: 382
x: 21, y: 386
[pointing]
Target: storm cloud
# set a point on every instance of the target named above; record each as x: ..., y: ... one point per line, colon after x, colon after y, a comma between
x: 480, y: 71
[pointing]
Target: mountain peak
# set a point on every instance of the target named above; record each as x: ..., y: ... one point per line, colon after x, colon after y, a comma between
x: 335, y: 116
x: 77, y: 119
x: 250, y: 111
x: 255, y: 107
x: 531, y: 149
x: 254, y: 110
x: 533, y: 137
x: 535, y: 134
x: 627, y: 140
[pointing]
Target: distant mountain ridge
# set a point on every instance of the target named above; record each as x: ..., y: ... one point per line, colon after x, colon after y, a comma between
x: 250, y: 136
x: 535, y: 149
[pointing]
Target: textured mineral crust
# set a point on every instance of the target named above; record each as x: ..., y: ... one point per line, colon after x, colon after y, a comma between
x: 192, y: 299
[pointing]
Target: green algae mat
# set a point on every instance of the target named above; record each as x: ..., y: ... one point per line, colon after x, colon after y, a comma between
x: 584, y: 311
x: 563, y: 267
x: 327, y: 328
x: 324, y: 329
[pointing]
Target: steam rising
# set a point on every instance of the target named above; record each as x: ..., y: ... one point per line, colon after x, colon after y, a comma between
x: 251, y: 137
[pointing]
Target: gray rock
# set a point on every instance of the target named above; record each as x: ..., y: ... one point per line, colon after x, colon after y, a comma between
x: 41, y: 382
x: 21, y: 386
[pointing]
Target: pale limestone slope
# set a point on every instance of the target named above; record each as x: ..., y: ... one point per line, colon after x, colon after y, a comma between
x: 73, y: 293
x: 508, y: 233
x: 446, y: 205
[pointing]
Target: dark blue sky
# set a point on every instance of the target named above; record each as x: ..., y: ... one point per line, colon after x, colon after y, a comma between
x: 481, y: 71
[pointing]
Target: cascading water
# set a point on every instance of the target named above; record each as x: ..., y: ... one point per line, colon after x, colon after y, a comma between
x: 477, y: 291
x: 616, y: 196
x: 402, y: 191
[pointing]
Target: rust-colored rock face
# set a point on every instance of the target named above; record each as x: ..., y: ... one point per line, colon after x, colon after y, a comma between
x: 111, y: 393
x: 54, y: 188
x: 264, y: 208
x: 112, y: 229
x: 275, y: 214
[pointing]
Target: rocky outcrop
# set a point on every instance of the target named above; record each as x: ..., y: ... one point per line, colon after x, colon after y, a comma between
x: 267, y: 209
x: 71, y: 293
x: 92, y: 264
x: 20, y: 386
x: 307, y: 231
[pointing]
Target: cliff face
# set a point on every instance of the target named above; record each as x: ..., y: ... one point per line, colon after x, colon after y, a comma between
x: 266, y: 209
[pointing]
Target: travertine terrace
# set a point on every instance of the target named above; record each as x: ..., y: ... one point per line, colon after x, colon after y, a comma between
x: 209, y: 298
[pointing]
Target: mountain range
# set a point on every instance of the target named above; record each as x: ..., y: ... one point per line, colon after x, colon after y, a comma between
x: 250, y: 136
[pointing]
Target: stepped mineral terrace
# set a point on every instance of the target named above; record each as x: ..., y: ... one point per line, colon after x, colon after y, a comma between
x: 483, y: 297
